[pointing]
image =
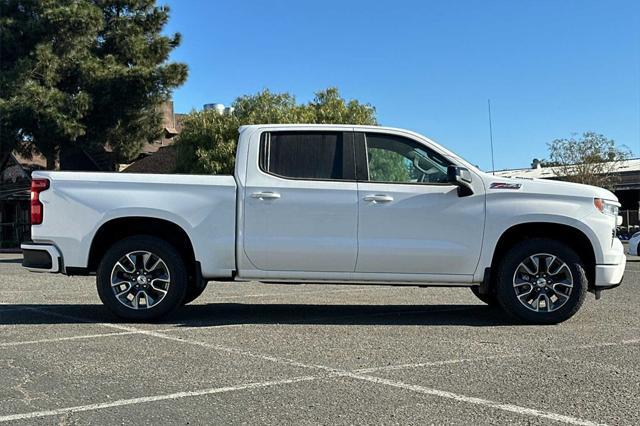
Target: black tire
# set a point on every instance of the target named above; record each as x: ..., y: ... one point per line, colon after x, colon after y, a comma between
x: 489, y: 298
x: 506, y: 293
x: 194, y: 291
x: 175, y: 290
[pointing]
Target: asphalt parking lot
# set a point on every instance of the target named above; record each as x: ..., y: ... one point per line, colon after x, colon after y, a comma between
x: 281, y: 354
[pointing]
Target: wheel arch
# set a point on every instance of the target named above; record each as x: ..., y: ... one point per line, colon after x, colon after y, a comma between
x: 122, y: 227
x: 566, y: 234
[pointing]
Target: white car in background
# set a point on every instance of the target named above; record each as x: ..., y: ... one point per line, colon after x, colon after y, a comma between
x: 632, y: 249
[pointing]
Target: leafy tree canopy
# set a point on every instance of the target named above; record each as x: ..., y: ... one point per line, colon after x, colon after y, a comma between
x: 207, y: 143
x: 388, y: 166
x: 83, y: 73
x: 592, y: 159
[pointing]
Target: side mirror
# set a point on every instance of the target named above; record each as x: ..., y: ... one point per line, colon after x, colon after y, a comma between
x: 461, y: 177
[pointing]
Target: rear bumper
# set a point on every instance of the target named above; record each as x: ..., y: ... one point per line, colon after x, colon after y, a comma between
x: 611, y: 275
x: 41, y: 257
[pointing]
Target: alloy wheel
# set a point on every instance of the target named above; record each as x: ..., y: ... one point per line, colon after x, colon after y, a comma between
x: 543, y: 282
x: 140, y: 280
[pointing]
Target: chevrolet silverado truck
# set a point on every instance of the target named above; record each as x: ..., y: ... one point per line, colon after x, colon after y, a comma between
x: 329, y: 204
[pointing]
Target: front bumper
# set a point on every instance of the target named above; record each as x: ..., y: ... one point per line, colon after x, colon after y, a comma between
x: 41, y: 257
x: 610, y: 275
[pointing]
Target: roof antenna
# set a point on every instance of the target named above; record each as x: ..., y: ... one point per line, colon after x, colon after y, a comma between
x: 493, y: 166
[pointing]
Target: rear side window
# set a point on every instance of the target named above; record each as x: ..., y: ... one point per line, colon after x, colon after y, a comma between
x: 308, y: 155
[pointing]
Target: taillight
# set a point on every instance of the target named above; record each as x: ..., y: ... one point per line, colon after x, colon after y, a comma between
x: 37, y: 209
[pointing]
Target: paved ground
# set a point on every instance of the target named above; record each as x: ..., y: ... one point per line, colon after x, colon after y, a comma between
x: 274, y: 354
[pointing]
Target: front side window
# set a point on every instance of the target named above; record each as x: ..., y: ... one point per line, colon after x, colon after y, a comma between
x: 307, y: 155
x: 396, y: 159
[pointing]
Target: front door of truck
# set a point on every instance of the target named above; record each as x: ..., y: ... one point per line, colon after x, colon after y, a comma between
x: 300, y: 208
x: 411, y: 219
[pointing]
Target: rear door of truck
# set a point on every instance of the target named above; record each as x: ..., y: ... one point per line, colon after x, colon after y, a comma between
x: 300, y: 205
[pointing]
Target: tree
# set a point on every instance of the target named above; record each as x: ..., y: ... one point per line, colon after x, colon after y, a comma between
x: 592, y: 159
x: 328, y: 107
x: 388, y: 166
x: 83, y: 73
x: 207, y: 143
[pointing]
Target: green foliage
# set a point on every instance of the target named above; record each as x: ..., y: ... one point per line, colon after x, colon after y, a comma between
x: 328, y: 107
x: 388, y: 166
x: 85, y: 72
x: 267, y: 108
x: 592, y: 159
x: 207, y: 143
x: 208, y: 139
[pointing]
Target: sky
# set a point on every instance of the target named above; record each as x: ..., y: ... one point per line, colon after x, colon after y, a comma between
x: 551, y: 68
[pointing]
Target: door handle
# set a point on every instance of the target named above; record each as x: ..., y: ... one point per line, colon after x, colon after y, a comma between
x: 267, y: 195
x: 379, y: 198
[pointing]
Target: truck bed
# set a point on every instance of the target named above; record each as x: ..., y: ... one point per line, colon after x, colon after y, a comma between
x: 77, y: 204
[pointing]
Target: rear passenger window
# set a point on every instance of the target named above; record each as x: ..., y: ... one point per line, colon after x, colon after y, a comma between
x: 307, y: 155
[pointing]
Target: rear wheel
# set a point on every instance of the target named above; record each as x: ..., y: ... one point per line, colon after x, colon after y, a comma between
x: 541, y: 281
x: 141, y: 278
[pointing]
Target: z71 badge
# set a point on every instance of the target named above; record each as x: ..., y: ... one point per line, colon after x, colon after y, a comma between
x: 505, y: 185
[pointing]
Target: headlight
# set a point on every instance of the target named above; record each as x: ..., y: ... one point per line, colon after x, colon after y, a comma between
x: 605, y: 206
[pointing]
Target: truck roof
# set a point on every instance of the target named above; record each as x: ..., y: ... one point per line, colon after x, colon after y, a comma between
x: 321, y: 126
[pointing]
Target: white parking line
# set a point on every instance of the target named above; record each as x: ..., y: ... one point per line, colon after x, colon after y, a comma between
x: 62, y: 339
x: 401, y: 385
x: 497, y: 356
x: 147, y: 399
x: 437, y: 363
x: 333, y: 372
x: 99, y: 335
x: 477, y: 401
x: 130, y: 330
x: 525, y: 411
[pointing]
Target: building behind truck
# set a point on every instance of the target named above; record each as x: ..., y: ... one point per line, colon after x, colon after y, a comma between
x: 627, y: 188
x: 15, y: 174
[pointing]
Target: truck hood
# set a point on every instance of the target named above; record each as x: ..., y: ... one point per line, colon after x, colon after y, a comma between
x: 550, y: 187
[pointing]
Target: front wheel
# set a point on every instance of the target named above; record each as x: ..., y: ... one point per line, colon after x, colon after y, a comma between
x: 541, y: 281
x: 141, y: 278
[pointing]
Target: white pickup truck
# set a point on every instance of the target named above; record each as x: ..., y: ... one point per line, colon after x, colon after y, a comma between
x: 329, y: 203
